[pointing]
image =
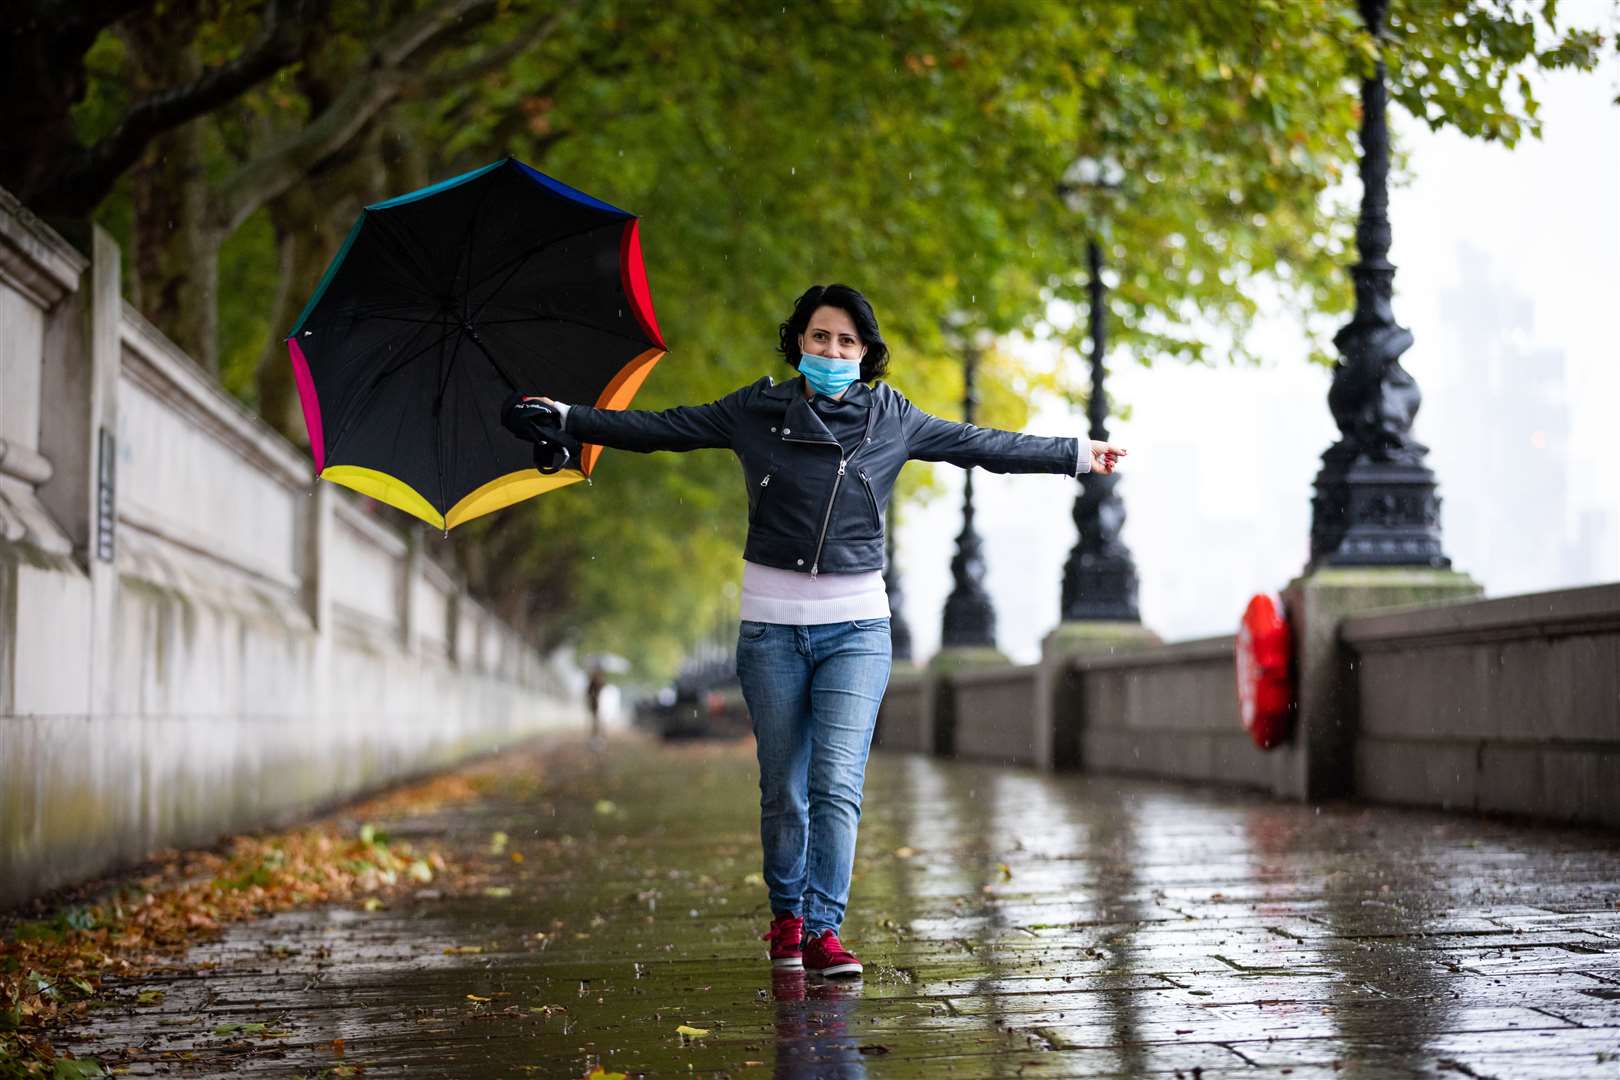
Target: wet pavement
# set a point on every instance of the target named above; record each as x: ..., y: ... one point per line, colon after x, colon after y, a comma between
x: 1012, y: 925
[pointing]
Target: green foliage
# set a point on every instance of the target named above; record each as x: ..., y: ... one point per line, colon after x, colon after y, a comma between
x: 918, y: 149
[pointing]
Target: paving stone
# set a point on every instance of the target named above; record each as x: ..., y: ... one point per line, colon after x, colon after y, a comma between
x: 1013, y: 924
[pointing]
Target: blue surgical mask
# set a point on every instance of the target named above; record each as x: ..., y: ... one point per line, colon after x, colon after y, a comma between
x: 826, y: 375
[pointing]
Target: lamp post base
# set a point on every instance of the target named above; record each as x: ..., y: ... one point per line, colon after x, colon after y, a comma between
x: 954, y: 658
x: 1092, y: 636
x: 1318, y: 760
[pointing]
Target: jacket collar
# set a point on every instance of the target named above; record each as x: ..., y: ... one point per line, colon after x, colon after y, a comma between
x: 857, y: 394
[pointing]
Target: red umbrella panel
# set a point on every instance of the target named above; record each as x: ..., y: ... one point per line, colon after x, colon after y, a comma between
x: 441, y: 303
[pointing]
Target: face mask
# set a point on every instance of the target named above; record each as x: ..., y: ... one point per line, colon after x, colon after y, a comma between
x: 826, y: 375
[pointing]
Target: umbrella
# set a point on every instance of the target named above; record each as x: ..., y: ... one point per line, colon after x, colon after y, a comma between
x: 441, y: 304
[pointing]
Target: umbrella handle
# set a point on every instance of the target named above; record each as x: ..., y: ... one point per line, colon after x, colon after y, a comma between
x: 551, y: 457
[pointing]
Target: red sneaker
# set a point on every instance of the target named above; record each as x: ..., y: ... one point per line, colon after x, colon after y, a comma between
x: 786, y: 936
x: 825, y: 955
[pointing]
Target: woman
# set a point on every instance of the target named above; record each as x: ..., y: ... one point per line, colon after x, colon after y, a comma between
x: 820, y: 454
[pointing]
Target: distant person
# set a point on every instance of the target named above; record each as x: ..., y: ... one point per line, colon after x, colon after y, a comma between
x: 820, y: 454
x: 593, y: 701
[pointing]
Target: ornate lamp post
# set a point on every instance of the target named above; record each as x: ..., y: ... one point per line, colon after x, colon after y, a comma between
x: 899, y: 631
x: 1375, y: 502
x: 970, y: 620
x: 1099, y: 578
x: 1375, y: 518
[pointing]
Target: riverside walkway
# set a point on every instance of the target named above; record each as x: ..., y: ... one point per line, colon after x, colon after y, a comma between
x: 1013, y: 925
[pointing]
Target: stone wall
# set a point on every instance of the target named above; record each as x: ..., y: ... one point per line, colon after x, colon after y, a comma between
x: 1499, y: 706
x: 194, y: 638
x: 1506, y: 705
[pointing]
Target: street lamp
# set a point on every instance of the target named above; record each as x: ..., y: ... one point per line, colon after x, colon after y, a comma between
x: 899, y: 629
x: 970, y: 620
x: 1375, y: 502
x: 1099, y: 578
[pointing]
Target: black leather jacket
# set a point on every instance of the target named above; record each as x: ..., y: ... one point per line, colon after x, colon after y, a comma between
x: 813, y: 504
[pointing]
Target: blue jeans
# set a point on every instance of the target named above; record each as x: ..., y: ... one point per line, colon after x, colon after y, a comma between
x: 813, y: 694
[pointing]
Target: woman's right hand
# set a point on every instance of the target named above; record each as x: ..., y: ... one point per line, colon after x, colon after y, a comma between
x: 1105, y: 456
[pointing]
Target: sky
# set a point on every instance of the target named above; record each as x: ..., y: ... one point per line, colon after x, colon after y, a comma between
x: 1509, y: 278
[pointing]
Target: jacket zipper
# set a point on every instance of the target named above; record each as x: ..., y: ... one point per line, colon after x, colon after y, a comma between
x: 877, y: 515
x: 826, y: 519
x: 759, y: 503
x: 843, y: 462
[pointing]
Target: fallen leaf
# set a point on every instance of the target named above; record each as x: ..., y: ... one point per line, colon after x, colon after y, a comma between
x: 498, y: 892
x: 241, y: 1029
x: 149, y: 997
x: 904, y: 852
x: 475, y: 997
x: 76, y: 1068
x: 1006, y: 871
x: 498, y: 842
x: 691, y: 1032
x: 372, y: 903
x: 420, y: 871
x: 463, y: 949
x: 606, y: 806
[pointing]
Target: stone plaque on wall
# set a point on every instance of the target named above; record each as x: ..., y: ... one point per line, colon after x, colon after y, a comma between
x: 106, y: 504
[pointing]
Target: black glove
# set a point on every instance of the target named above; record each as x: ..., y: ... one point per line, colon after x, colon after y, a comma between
x: 532, y: 420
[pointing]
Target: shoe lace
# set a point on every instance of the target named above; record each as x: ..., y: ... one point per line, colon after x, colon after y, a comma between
x: 786, y: 928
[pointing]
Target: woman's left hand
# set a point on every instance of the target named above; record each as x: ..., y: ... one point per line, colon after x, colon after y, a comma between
x: 1105, y: 457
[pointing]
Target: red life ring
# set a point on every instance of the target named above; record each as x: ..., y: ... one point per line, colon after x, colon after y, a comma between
x: 1265, y: 672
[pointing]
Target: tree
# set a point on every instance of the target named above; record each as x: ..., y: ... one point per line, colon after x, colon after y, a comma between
x: 916, y: 148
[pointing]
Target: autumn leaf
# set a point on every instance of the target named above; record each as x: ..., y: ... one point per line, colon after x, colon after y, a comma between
x: 475, y: 997
x: 241, y: 1029
x: 690, y: 1032
x: 149, y: 997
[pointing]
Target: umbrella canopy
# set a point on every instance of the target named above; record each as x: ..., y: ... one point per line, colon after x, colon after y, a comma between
x: 443, y: 302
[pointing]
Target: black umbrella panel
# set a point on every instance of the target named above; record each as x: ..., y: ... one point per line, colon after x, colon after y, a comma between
x: 443, y: 302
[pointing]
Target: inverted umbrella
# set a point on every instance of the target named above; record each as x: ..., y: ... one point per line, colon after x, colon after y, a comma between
x: 442, y: 303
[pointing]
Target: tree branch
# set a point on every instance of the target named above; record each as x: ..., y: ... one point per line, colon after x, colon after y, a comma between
x: 369, y: 92
x: 496, y: 58
x: 86, y: 182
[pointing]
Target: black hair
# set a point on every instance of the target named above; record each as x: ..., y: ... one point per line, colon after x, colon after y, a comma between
x: 875, y: 364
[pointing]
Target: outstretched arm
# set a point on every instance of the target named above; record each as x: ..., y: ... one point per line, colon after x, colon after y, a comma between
x: 929, y: 438
x: 685, y: 427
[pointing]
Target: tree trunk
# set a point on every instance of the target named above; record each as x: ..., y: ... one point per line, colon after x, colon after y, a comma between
x: 176, y: 253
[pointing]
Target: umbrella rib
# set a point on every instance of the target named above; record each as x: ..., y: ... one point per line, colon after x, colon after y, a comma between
x: 389, y: 232
x: 570, y: 322
x: 518, y: 260
x: 358, y: 405
x: 494, y: 363
x: 438, y: 412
